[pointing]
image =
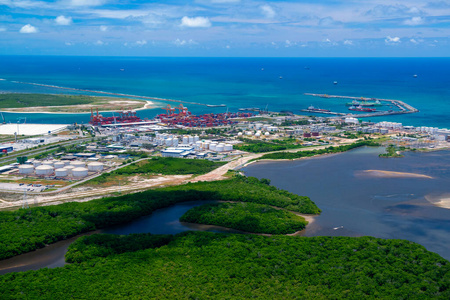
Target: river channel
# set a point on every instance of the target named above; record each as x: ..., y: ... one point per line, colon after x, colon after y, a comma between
x: 161, y: 221
x: 362, y: 194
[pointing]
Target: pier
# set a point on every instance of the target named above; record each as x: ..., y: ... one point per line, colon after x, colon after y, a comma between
x: 404, y: 108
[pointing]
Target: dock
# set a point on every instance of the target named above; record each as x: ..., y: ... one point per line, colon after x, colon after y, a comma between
x: 404, y: 108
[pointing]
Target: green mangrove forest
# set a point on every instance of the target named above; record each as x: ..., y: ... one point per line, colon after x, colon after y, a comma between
x: 249, y: 217
x: 202, y: 265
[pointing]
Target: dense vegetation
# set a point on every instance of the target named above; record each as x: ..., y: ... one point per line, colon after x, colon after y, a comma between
x: 257, y: 146
x: 25, y: 230
x: 170, y: 166
x: 308, y: 153
x: 103, y: 245
x: 31, y: 100
x: 201, y: 265
x: 391, y: 151
x: 249, y: 217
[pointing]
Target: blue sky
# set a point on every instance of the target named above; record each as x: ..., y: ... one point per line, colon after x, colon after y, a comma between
x: 225, y: 28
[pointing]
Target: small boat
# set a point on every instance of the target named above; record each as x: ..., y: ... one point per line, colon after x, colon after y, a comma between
x: 262, y: 69
x: 122, y: 70
x: 415, y: 75
x: 281, y: 77
x: 335, y: 82
x: 364, y: 103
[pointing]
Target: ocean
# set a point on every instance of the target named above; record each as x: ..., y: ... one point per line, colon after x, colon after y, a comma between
x: 276, y: 83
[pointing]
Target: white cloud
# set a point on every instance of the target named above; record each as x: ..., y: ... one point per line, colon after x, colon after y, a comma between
x: 141, y: 43
x: 195, y: 22
x: 103, y: 28
x: 288, y: 43
x: 61, y: 20
x: 87, y: 2
x: 392, y: 40
x: 348, y: 42
x: 99, y: 43
x: 414, y: 41
x: 414, y: 21
x: 268, y: 11
x: 28, y: 29
x: 68, y: 44
x: 179, y: 42
x: 227, y: 46
x: 225, y: 1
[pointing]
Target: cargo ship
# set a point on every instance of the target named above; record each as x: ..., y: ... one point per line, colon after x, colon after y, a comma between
x: 312, y: 108
x: 360, y: 108
x: 216, y: 105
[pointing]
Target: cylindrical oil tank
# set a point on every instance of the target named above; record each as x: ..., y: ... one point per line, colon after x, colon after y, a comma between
x: 220, y: 147
x: 26, y: 169
x: 61, y: 172
x: 175, y: 142
x: 185, y: 139
x: 196, y: 138
x: 69, y: 169
x: 191, y: 139
x: 206, y: 145
x: 228, y: 147
x: 44, y: 170
x: 59, y: 164
x: 169, y: 142
x: 78, y: 164
x: 95, y: 166
x: 37, y: 163
x: 47, y: 163
x: 79, y: 172
x: 67, y: 162
x: 212, y: 146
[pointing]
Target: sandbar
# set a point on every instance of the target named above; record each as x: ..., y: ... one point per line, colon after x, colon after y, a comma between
x: 392, y: 174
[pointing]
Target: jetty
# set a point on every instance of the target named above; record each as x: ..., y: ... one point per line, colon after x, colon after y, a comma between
x: 404, y: 108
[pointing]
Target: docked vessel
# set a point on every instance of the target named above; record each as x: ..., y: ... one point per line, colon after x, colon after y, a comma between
x: 312, y: 108
x: 360, y: 108
x: 216, y: 105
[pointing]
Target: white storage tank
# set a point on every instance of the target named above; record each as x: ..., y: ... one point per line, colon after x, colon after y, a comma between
x: 37, y: 163
x: 175, y: 142
x: 198, y: 145
x: 69, y: 169
x: 59, y: 164
x: 239, y: 134
x: 95, y: 166
x: 26, y: 169
x: 249, y: 133
x: 212, y: 146
x: 61, y: 172
x: 185, y: 139
x: 228, y: 147
x: 47, y: 163
x: 196, y: 138
x: 67, y: 162
x: 80, y: 172
x: 191, y: 139
x: 44, y: 170
x: 169, y: 142
x: 220, y: 147
x: 267, y: 134
x: 78, y: 164
x: 206, y: 145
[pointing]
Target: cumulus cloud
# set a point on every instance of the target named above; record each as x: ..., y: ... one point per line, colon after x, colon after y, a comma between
x: 268, y: 11
x: 195, y: 22
x: 414, y: 21
x: 392, y: 40
x: 414, y: 41
x: 141, y: 43
x: 348, y: 42
x: 62, y: 20
x: 99, y: 43
x: 103, y: 28
x: 28, y: 29
x: 179, y: 42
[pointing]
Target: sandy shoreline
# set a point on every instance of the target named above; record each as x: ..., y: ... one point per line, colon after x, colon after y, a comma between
x: 392, y: 174
x: 36, y: 109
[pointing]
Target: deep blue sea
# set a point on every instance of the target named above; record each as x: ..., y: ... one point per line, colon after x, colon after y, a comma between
x: 278, y: 83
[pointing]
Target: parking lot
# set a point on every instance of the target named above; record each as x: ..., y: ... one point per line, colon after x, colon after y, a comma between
x: 22, y: 187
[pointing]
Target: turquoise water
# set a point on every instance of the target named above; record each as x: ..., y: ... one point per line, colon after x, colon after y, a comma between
x: 240, y: 82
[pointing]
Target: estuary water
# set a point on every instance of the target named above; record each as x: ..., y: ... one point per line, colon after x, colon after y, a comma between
x: 276, y: 83
x: 357, y: 198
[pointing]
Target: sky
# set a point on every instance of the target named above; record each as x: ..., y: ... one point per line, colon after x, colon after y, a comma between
x: 235, y: 28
